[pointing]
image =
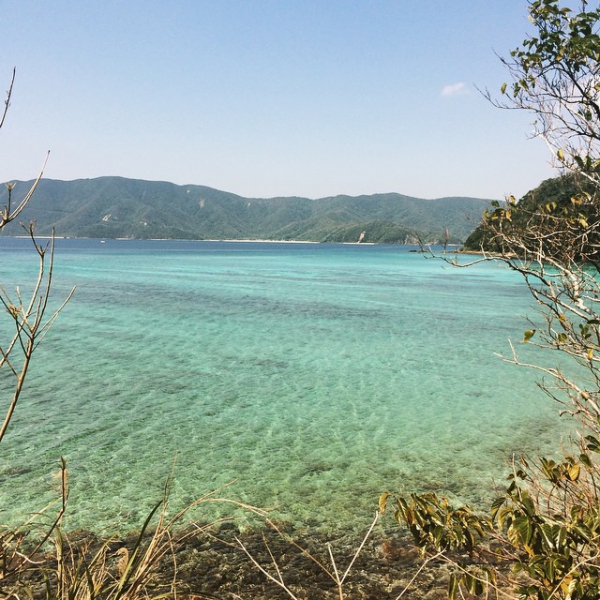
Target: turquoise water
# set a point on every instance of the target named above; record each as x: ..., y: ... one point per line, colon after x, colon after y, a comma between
x: 313, y: 377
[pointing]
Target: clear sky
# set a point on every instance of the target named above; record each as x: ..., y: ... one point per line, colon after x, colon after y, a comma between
x: 269, y: 97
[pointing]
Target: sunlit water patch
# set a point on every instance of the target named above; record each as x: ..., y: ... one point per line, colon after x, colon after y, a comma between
x: 313, y: 376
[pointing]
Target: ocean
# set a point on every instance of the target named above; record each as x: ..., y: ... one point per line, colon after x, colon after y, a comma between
x: 307, y: 378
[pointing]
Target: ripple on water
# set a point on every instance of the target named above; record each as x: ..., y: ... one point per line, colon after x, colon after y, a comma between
x: 312, y: 378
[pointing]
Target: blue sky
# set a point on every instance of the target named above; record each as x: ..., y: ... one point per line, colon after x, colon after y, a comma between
x: 269, y: 97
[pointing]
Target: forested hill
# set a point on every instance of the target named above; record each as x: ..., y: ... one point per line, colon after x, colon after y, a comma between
x: 558, y: 190
x: 114, y: 207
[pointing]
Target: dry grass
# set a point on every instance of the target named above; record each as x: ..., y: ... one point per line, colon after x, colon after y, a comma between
x: 55, y: 568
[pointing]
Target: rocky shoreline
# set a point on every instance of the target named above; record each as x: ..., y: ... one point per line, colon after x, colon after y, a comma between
x: 211, y: 564
x: 216, y: 568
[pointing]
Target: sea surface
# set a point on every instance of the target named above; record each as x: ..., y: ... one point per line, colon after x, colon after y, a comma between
x: 307, y: 378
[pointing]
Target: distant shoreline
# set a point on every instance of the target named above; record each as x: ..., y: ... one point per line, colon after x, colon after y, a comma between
x: 292, y: 242
x: 124, y: 239
x: 262, y: 241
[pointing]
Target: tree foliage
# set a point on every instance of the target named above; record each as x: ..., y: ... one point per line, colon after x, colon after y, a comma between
x: 541, y: 538
x: 555, y: 75
x: 554, y: 195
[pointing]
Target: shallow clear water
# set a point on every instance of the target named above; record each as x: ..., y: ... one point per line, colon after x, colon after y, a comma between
x: 315, y: 376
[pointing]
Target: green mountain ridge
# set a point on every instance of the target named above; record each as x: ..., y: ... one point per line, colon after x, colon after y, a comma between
x: 116, y: 207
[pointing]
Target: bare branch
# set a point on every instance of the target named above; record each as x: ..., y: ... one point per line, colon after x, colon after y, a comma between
x: 8, y: 97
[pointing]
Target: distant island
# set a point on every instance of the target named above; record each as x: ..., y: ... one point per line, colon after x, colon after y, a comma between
x: 116, y: 207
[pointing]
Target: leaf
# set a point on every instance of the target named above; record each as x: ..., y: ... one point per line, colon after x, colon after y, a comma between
x: 504, y: 516
x: 521, y: 474
x: 469, y: 581
x: 503, y: 88
x: 585, y: 460
x: 383, y: 502
x: 527, y: 503
x: 573, y: 472
x: 547, y: 535
x: 452, y: 586
x: 521, y: 532
x: 593, y: 443
x: 496, y: 505
x: 527, y: 335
